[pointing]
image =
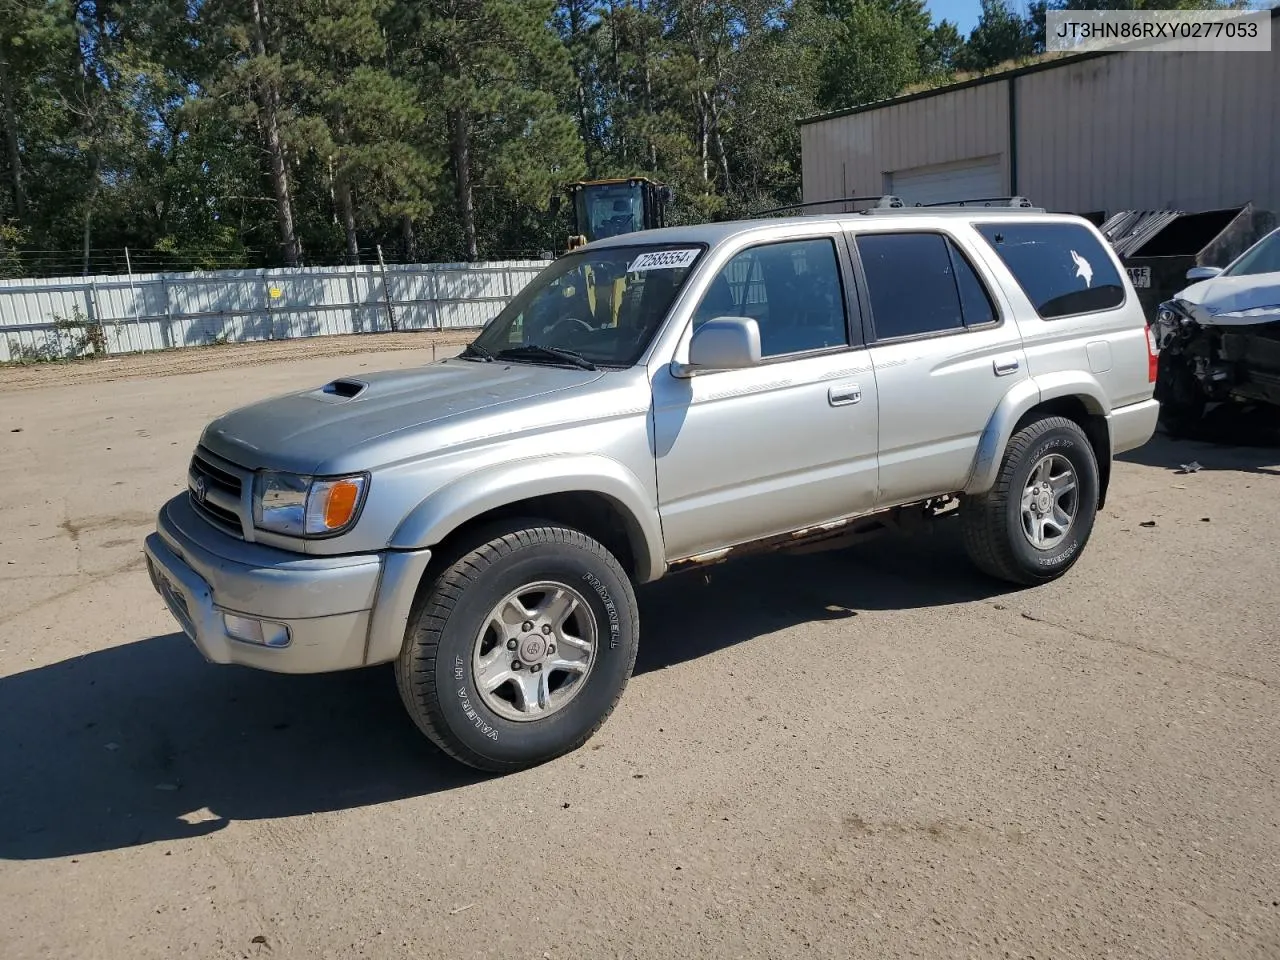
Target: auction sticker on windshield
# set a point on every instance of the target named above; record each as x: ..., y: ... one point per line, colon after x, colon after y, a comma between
x: 663, y: 260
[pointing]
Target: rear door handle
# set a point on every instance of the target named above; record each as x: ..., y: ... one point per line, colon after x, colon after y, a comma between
x: 1005, y: 366
x: 844, y: 394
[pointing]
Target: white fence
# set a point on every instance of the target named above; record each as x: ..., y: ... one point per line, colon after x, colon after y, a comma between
x: 63, y: 317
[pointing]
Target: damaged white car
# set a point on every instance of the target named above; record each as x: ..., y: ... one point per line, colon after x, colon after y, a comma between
x: 1219, y: 338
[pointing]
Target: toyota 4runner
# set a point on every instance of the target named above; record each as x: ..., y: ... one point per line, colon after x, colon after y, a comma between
x: 650, y: 403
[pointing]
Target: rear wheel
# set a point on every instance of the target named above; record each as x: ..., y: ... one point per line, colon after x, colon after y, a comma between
x: 520, y: 649
x: 1031, y: 526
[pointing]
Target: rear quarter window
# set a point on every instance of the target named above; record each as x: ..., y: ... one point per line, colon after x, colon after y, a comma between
x: 1061, y: 267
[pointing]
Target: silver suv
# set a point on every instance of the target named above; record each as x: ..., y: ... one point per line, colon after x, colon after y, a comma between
x: 653, y: 403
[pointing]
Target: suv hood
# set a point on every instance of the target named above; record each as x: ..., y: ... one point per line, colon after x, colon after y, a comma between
x: 1233, y: 301
x: 300, y: 432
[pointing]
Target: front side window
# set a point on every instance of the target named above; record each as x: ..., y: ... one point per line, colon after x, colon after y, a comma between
x: 599, y: 307
x: 1061, y: 267
x: 791, y: 289
x: 1263, y: 257
x: 920, y: 283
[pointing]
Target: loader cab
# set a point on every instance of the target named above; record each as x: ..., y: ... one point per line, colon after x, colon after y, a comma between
x: 609, y: 208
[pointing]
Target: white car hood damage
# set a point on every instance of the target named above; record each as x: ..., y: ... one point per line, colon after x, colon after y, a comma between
x: 1233, y: 301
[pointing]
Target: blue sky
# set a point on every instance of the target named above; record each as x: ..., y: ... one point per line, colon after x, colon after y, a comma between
x: 963, y: 13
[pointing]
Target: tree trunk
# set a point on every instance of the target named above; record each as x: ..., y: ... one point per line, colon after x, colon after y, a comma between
x: 704, y: 155
x: 617, y: 69
x: 347, y: 211
x: 722, y: 159
x: 10, y: 119
x: 648, y: 107
x: 408, y: 242
x: 462, y: 172
x: 94, y: 182
x: 580, y: 92
x: 275, y: 146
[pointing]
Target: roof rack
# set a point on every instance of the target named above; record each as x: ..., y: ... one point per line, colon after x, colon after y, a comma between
x: 810, y: 203
x: 892, y: 204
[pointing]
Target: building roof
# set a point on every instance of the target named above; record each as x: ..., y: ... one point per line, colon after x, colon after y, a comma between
x: 1048, y: 62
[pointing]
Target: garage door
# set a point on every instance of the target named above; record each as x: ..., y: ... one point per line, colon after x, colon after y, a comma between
x: 948, y: 182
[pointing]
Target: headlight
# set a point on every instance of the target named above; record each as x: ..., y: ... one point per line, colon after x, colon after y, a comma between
x: 304, y: 506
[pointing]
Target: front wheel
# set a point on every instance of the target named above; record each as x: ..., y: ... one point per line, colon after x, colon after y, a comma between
x: 1032, y: 525
x: 520, y: 649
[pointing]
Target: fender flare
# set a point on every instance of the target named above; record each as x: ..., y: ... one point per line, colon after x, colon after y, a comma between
x: 489, y: 488
x: 1020, y: 398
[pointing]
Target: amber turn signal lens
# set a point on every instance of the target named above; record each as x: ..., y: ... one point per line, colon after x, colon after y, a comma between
x: 341, y: 504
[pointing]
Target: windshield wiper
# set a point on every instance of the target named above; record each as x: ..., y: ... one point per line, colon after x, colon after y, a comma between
x: 530, y: 351
x: 474, y: 351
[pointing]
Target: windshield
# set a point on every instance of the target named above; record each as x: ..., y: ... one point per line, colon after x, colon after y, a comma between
x: 609, y: 210
x: 1264, y: 257
x: 603, y: 306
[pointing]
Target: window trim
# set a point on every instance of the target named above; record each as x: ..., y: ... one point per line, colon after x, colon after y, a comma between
x: 854, y: 336
x: 950, y: 240
x: 1121, y: 273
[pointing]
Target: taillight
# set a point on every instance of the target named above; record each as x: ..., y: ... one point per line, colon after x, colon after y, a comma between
x: 1153, y: 356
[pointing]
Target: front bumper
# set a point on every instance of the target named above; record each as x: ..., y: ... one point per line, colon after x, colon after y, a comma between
x: 341, y: 612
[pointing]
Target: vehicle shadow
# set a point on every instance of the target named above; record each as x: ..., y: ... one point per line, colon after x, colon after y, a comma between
x: 1236, y: 446
x: 145, y: 742
x: 694, y: 614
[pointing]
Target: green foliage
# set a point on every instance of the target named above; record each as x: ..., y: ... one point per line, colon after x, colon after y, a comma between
x: 69, y: 338
x: 207, y: 134
x: 10, y: 257
x: 1001, y: 35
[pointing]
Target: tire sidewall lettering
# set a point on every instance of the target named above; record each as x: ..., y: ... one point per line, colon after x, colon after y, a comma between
x: 1061, y: 442
x: 465, y: 712
x: 609, y: 605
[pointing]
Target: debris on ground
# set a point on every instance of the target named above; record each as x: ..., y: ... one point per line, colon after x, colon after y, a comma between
x: 1147, y: 523
x: 1192, y: 467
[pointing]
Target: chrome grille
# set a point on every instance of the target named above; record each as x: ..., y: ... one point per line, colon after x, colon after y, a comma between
x: 215, y: 488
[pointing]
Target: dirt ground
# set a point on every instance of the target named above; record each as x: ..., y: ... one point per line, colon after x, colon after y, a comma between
x: 162, y: 363
x: 868, y: 753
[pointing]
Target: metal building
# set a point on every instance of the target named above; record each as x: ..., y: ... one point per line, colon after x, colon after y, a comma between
x: 1088, y: 134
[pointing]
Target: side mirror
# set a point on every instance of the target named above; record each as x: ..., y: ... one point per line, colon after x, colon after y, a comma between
x: 725, y: 343
x: 1203, y: 273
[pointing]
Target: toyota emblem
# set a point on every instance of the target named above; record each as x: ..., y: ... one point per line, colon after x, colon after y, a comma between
x: 200, y: 488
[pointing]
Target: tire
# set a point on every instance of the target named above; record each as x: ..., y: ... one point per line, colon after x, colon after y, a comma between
x: 996, y: 535
x: 452, y: 643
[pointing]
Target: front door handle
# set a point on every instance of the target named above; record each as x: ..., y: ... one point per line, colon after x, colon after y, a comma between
x: 1005, y: 366
x: 844, y: 394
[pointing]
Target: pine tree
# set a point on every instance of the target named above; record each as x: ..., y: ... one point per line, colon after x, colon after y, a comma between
x: 1001, y: 35
x: 496, y: 71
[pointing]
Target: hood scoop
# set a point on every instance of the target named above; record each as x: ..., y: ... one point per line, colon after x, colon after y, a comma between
x: 341, y: 390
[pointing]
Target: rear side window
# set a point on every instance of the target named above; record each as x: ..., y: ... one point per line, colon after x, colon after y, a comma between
x: 1061, y: 267
x: 920, y: 283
